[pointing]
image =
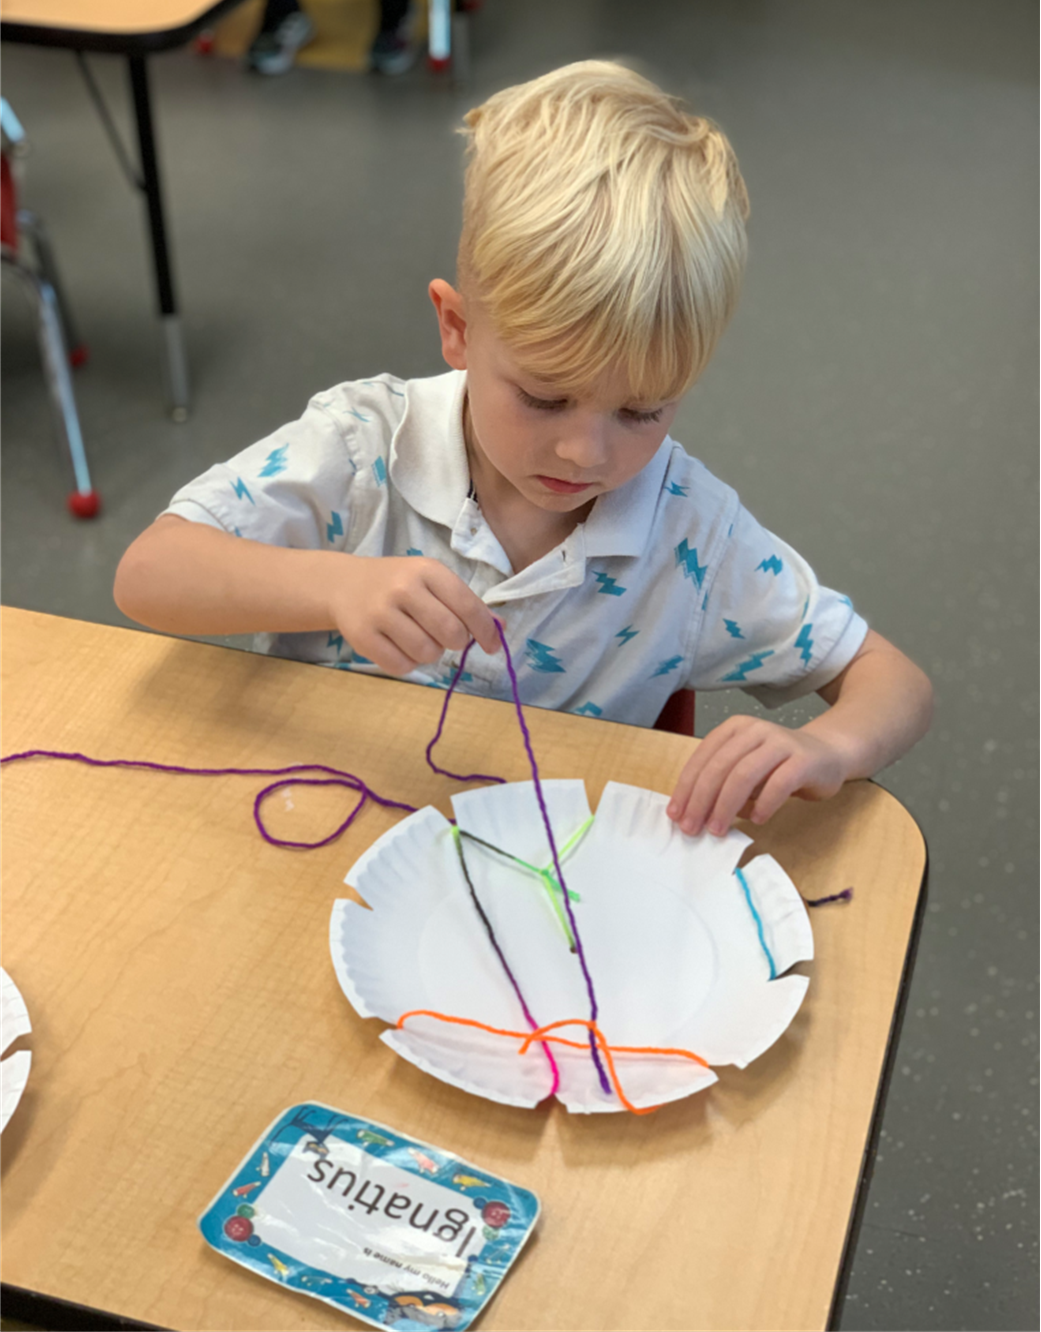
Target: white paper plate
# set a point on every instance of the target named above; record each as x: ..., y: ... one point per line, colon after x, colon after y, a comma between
x: 14, y: 1072
x: 668, y: 928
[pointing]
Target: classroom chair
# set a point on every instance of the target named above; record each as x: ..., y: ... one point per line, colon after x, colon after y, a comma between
x: 39, y: 275
x: 677, y: 715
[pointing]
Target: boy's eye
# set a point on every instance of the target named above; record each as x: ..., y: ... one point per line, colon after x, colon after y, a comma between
x: 641, y: 418
x: 542, y: 404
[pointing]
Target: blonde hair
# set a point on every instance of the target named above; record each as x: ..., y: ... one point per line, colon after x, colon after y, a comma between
x: 603, y: 225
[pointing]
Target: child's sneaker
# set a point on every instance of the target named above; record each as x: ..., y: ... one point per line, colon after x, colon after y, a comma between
x: 274, y: 52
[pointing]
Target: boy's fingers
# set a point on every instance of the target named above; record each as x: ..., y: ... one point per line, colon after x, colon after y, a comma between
x: 713, y: 775
x: 468, y: 607
x: 743, y: 779
x: 688, y: 778
x: 388, y: 656
x: 781, y: 783
x: 442, y: 624
x: 411, y: 639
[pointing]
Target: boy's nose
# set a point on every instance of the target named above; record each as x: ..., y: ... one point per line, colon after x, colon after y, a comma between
x: 585, y: 444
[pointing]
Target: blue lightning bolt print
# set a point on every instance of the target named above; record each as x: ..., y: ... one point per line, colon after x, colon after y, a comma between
x: 357, y: 415
x: 541, y: 658
x: 413, y: 550
x: 674, y: 488
x: 667, y: 667
x: 752, y: 663
x: 626, y: 635
x: 589, y: 710
x: 334, y: 528
x: 687, y: 562
x: 276, y: 461
x: 359, y: 660
x: 379, y: 469
x: 609, y: 586
x: 335, y: 641
x: 447, y: 678
x: 236, y: 531
x: 733, y: 629
x: 772, y: 565
x: 240, y: 489
x: 805, y: 642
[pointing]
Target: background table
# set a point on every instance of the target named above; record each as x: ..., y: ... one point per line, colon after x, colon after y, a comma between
x: 135, y: 29
x: 176, y: 970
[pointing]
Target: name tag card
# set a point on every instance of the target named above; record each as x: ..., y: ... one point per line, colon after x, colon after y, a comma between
x: 394, y: 1231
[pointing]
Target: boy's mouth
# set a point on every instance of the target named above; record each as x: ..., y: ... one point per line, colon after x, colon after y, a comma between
x: 563, y: 487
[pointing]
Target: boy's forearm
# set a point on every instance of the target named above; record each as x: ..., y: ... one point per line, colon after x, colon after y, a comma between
x: 186, y: 578
x: 881, y: 705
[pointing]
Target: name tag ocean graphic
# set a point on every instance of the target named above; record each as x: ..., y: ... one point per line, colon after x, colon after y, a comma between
x: 392, y: 1230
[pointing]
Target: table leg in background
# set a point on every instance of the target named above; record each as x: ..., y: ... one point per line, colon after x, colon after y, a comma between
x: 176, y: 361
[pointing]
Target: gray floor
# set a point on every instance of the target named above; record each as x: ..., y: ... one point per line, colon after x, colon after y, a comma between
x: 873, y: 402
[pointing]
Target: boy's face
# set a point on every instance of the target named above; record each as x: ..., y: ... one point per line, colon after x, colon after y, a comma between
x: 557, y: 450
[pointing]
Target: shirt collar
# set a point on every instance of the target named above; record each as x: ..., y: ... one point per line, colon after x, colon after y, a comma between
x: 435, y: 482
x: 622, y: 520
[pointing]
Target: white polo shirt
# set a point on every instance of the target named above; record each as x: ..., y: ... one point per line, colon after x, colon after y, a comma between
x: 669, y: 584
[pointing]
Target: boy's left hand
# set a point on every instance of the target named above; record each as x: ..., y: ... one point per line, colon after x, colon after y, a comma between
x: 748, y: 767
x: 877, y: 708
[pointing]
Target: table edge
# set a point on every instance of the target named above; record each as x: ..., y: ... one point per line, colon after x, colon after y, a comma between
x: 867, y: 1164
x: 51, y: 1311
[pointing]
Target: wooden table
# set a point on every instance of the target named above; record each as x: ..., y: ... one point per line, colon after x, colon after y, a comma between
x: 177, y: 972
x: 135, y: 29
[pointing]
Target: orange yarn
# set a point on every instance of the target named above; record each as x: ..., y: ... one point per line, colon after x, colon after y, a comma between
x: 542, y: 1034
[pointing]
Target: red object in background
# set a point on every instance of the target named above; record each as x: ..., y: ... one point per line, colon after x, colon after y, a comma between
x: 8, y: 205
x: 84, y: 503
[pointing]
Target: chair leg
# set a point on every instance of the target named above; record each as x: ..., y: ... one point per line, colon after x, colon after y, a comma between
x: 29, y: 224
x: 84, y: 502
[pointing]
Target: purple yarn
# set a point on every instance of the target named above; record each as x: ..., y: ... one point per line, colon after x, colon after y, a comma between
x: 844, y: 896
x: 338, y: 778
x: 455, y: 776
x: 594, y: 1007
x: 528, y: 1016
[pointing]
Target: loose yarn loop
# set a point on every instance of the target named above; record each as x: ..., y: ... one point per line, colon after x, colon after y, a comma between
x: 338, y: 778
x: 542, y: 1036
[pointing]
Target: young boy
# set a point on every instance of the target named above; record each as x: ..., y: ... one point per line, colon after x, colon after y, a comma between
x: 602, y: 250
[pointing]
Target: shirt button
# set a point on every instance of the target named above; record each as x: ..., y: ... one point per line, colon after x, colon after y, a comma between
x: 473, y: 531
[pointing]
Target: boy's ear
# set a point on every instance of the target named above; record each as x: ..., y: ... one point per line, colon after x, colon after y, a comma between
x: 451, y: 322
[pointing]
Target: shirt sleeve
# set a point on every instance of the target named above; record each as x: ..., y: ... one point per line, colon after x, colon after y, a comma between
x: 768, y: 625
x: 291, y: 489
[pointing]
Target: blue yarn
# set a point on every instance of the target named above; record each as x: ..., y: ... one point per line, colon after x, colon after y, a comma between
x: 758, y: 922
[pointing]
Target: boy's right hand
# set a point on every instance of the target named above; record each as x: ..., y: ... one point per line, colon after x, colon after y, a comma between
x: 401, y: 612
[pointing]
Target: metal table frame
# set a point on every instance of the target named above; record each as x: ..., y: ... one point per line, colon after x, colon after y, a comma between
x: 137, y: 47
